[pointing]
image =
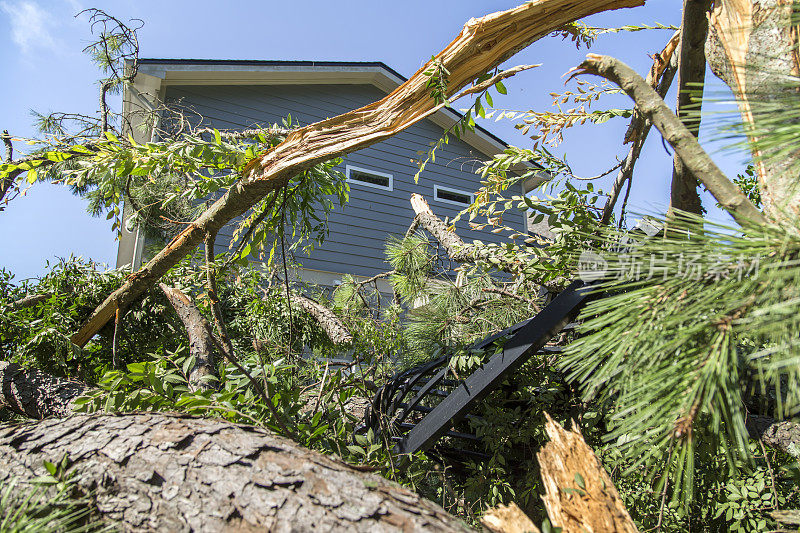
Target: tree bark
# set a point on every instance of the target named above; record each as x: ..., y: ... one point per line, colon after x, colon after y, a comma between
x: 752, y: 47
x: 326, y: 319
x: 691, y: 72
x: 166, y: 472
x: 676, y: 134
x: 201, y: 338
x: 35, y: 394
x: 483, y: 44
x: 580, y: 495
x: 783, y: 436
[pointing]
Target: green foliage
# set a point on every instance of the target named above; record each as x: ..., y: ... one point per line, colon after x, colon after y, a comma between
x: 748, y: 182
x: 706, y: 322
x: 30, y: 508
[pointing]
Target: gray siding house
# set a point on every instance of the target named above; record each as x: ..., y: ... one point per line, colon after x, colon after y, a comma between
x: 241, y: 94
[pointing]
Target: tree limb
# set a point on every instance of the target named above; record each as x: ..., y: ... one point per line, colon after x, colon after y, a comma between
x: 327, y: 320
x: 661, y: 79
x: 676, y: 134
x: 201, y: 341
x: 783, y: 435
x: 29, y: 301
x: 691, y: 73
x: 482, y: 45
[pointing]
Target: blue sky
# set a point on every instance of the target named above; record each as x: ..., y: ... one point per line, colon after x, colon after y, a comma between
x: 43, y: 69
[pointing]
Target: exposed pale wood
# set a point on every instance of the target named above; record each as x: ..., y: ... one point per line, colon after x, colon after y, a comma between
x: 752, y: 46
x: 166, y: 472
x: 676, y: 134
x: 508, y: 519
x: 483, y: 44
x: 579, y: 494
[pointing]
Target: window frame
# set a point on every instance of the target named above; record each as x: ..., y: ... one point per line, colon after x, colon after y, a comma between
x: 437, y: 188
x: 349, y: 168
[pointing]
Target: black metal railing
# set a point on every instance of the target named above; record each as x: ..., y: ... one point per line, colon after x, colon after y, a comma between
x: 426, y: 405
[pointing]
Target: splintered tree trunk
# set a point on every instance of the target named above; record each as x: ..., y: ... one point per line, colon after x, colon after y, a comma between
x: 580, y: 496
x: 752, y: 47
x: 160, y: 472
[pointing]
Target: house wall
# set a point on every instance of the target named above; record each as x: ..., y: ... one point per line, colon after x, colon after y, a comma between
x: 358, y: 232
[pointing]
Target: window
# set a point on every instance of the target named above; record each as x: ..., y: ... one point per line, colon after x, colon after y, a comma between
x: 452, y: 196
x: 370, y: 178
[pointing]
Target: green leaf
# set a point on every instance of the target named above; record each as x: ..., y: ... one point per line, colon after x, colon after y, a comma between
x: 579, y: 481
x: 32, y: 175
x: 500, y: 87
x: 489, y: 99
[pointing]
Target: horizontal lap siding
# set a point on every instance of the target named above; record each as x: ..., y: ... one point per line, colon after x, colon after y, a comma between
x: 358, y: 232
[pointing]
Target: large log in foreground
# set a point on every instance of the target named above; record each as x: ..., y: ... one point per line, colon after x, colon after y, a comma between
x: 161, y: 472
x: 481, y: 46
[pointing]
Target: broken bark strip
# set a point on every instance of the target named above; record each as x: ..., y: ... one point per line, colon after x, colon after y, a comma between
x: 483, y: 44
x: 327, y: 320
x: 752, y: 47
x: 34, y: 394
x: 580, y: 495
x: 686, y: 146
x: 201, y: 341
x: 661, y: 79
x: 691, y: 73
x: 166, y: 472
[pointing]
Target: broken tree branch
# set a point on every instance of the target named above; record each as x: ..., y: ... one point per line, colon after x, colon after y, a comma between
x: 580, y: 495
x: 211, y: 288
x: 753, y: 47
x: 327, y: 320
x: 508, y: 519
x: 676, y: 134
x: 691, y: 74
x: 639, y: 127
x: 29, y: 300
x: 201, y: 341
x: 483, y: 44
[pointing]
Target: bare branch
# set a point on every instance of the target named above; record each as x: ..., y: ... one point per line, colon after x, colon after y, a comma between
x: 201, y: 342
x: 676, y: 134
x: 639, y: 127
x: 327, y: 320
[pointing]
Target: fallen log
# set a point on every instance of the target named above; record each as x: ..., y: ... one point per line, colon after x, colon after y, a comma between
x: 34, y: 394
x: 166, y: 472
x: 481, y: 46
